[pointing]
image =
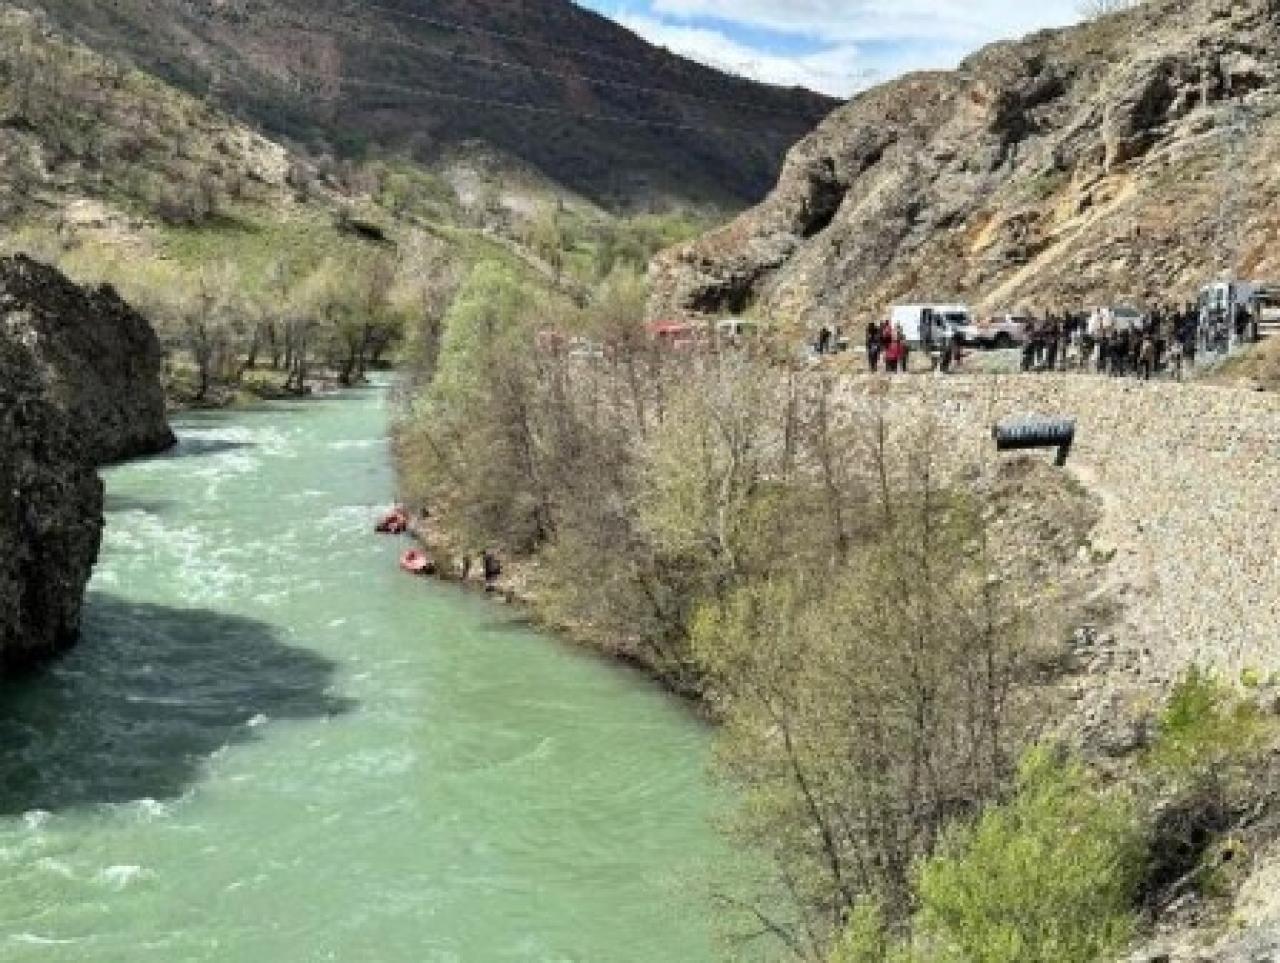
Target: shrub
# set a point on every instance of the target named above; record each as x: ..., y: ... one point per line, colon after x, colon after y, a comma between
x: 866, y: 938
x: 1206, y: 768
x: 1206, y: 731
x: 1050, y: 876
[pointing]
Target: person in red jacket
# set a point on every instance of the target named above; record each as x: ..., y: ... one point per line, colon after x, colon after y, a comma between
x: 894, y: 354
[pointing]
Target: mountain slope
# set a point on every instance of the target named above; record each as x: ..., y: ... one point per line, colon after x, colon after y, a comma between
x: 526, y: 77
x: 1125, y: 158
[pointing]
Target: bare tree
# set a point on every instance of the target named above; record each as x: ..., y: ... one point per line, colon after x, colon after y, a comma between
x: 1096, y: 9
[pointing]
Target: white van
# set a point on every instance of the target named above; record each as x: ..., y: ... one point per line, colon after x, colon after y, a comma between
x: 927, y: 324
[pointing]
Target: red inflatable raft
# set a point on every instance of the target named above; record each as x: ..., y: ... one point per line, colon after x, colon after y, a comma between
x: 395, y: 522
x: 416, y: 563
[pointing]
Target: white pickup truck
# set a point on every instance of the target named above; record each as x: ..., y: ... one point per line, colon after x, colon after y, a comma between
x: 929, y: 324
x: 1002, y: 331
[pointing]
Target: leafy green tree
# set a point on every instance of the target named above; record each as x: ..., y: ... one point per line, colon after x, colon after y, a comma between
x: 476, y: 434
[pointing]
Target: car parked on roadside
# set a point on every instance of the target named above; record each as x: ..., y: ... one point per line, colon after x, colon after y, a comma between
x: 929, y: 324
x: 679, y: 336
x: 1001, y: 331
x: 736, y: 332
x: 585, y: 349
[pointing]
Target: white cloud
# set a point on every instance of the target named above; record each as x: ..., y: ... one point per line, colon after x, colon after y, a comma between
x: 946, y: 21
x: 856, y: 42
x: 836, y: 70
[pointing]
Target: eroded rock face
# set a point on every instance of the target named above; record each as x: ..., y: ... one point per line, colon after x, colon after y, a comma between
x: 79, y: 387
x: 1078, y: 166
x: 50, y: 515
x: 100, y: 359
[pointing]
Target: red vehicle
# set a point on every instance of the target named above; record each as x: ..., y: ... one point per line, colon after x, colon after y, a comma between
x: 676, y: 335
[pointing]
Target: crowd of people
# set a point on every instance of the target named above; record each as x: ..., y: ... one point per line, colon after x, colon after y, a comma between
x: 1167, y: 340
x: 888, y: 343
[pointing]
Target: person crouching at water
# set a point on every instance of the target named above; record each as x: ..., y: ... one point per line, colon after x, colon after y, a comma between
x: 492, y: 570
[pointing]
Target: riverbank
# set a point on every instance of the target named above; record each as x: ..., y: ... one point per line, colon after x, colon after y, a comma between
x: 1044, y: 529
x: 518, y: 586
x: 256, y: 386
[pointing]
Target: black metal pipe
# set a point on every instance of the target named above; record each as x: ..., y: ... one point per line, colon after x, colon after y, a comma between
x: 1032, y: 433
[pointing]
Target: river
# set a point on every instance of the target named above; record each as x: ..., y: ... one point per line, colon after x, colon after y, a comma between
x: 272, y: 745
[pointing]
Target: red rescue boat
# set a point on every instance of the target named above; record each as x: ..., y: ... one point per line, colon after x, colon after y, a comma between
x: 415, y: 562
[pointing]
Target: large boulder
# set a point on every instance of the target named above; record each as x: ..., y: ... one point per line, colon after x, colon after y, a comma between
x: 100, y: 359
x: 50, y: 515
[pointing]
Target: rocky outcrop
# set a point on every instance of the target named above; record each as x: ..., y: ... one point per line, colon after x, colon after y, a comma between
x: 1125, y: 159
x: 50, y: 515
x: 100, y: 359
x: 79, y: 387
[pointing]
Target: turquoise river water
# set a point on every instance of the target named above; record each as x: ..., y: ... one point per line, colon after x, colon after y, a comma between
x: 273, y: 746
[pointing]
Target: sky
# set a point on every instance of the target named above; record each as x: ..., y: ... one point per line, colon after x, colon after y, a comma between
x: 835, y: 46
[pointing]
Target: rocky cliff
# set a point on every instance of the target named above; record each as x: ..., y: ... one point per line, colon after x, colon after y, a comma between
x: 100, y: 359
x: 50, y: 514
x: 79, y: 387
x: 1127, y: 158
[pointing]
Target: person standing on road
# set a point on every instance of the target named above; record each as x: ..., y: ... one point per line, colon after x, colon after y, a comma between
x: 1147, y: 356
x: 492, y: 570
x: 1053, y: 342
x: 824, y: 340
x: 874, y: 346
x: 893, y: 355
x: 1191, y: 337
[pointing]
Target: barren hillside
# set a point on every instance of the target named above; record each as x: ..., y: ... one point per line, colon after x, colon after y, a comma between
x: 543, y: 81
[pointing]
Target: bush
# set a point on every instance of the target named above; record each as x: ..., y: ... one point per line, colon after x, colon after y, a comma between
x: 1050, y: 876
x: 1207, y: 767
x: 1207, y: 731
x: 866, y: 938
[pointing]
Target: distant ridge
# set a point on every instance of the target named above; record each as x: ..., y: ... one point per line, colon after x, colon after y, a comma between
x: 567, y: 91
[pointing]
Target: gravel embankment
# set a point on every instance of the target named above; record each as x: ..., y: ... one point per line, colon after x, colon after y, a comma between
x: 1188, y: 476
